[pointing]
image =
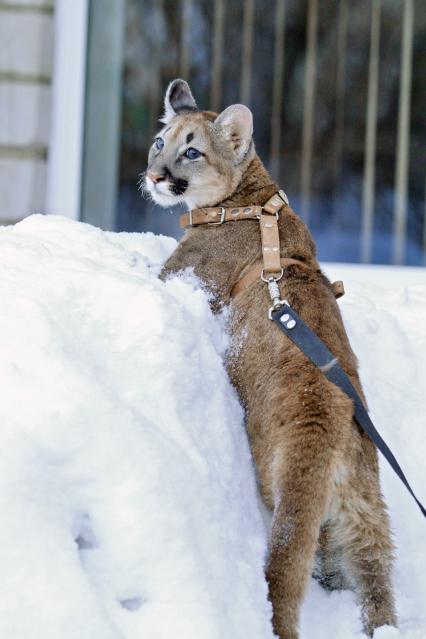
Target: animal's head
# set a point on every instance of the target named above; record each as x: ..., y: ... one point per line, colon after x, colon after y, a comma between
x: 198, y: 157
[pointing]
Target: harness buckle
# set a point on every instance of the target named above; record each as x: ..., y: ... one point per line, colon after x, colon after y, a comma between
x: 222, y: 218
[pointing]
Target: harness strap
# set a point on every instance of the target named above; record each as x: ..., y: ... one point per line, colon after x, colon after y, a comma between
x: 254, y: 274
x: 317, y: 352
x: 218, y: 215
x: 267, y: 215
x: 270, y: 245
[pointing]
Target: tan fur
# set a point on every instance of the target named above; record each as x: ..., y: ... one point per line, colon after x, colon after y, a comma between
x: 317, y: 471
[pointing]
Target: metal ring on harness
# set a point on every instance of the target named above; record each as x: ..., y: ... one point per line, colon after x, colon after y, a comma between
x: 271, y: 278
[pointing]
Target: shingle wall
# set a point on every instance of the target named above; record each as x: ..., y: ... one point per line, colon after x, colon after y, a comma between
x: 26, y: 37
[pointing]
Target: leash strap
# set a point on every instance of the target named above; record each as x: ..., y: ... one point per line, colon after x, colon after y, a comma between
x: 314, y: 348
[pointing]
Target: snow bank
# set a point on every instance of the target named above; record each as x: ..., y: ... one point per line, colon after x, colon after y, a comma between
x: 126, y: 487
x: 127, y: 493
x: 384, y: 310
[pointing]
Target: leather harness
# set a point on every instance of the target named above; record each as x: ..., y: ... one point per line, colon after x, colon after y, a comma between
x: 273, y: 264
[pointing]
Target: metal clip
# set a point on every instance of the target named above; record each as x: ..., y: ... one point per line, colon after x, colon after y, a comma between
x: 274, y: 291
x: 222, y: 218
x: 286, y: 318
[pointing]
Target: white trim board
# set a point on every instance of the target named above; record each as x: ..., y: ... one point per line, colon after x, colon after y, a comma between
x: 68, y: 103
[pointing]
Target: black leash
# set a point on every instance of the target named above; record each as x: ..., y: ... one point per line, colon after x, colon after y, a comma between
x: 314, y: 348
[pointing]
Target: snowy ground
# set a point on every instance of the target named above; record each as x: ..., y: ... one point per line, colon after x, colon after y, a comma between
x: 127, y: 492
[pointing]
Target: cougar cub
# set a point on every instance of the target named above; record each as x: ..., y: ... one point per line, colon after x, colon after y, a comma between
x: 318, y: 472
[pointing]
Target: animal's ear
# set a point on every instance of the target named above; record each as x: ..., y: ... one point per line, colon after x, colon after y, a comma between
x: 236, y: 124
x: 178, y: 99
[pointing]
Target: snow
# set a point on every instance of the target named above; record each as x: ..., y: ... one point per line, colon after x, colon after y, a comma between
x: 126, y: 486
x: 127, y: 491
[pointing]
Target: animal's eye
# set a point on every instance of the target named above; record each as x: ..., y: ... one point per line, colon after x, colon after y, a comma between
x: 192, y: 154
x: 158, y: 143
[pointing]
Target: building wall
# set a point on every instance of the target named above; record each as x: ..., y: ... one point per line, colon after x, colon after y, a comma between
x: 26, y: 36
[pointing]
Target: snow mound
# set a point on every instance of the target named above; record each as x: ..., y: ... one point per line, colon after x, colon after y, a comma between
x: 126, y: 486
x: 127, y: 492
x: 384, y: 311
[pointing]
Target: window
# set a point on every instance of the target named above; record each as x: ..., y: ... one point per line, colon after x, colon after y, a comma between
x: 336, y: 88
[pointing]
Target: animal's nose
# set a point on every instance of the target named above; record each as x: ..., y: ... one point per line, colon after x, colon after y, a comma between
x: 155, y: 177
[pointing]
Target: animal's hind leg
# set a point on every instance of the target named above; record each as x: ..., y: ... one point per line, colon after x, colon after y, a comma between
x: 328, y: 569
x: 368, y: 555
x: 302, y: 498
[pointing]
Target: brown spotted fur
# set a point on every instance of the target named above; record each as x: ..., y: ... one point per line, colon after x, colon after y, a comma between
x: 318, y: 473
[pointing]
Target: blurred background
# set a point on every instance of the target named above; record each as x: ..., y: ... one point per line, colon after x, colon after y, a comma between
x: 337, y: 89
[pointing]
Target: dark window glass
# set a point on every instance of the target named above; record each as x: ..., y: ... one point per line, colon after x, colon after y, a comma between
x: 314, y: 125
